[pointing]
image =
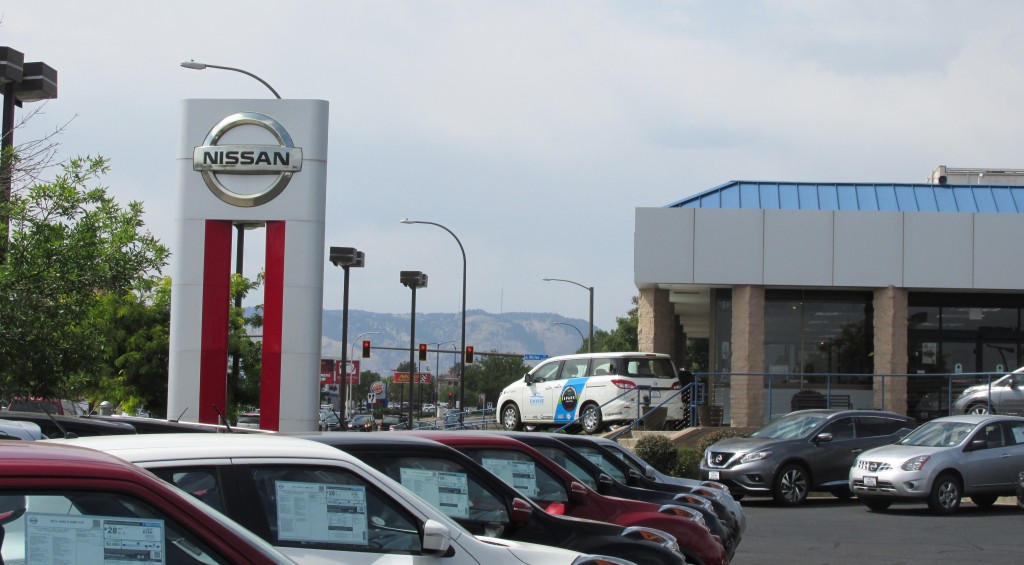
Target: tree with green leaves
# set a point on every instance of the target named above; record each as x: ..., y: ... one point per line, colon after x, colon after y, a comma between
x: 623, y: 337
x: 490, y: 375
x: 70, y: 245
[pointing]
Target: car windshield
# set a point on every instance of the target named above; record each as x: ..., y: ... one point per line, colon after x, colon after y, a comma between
x: 938, y: 434
x: 793, y: 426
x: 361, y: 419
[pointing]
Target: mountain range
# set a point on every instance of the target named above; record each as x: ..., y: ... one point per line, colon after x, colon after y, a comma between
x: 527, y: 333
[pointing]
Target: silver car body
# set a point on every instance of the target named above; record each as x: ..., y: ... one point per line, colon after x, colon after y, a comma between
x: 984, y: 453
x: 1004, y: 395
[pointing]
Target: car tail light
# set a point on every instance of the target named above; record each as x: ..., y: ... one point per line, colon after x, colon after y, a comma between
x: 556, y: 508
x: 623, y: 383
x: 676, y: 385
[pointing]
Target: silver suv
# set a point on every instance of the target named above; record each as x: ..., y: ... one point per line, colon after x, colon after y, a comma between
x: 1003, y: 396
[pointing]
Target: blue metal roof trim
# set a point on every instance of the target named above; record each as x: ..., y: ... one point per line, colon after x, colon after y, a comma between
x: 765, y: 195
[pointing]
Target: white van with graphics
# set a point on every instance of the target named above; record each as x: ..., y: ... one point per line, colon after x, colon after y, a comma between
x: 598, y: 388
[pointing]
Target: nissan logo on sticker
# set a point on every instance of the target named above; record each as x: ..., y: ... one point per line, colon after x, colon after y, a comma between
x: 281, y: 161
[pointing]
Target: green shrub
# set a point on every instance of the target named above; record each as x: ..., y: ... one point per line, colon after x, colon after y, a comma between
x: 688, y: 463
x: 659, y: 452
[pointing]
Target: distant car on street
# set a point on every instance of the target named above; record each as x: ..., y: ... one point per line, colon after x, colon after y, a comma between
x: 980, y: 456
x: 362, y: 423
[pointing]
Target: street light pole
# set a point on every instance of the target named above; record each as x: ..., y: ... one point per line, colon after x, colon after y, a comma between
x: 413, y: 280
x: 345, y: 257
x: 201, y: 66
x: 582, y: 339
x: 22, y: 82
x: 462, y: 360
x: 590, y: 289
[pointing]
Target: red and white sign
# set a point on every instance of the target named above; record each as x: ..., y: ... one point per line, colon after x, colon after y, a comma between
x: 330, y: 369
x: 403, y: 378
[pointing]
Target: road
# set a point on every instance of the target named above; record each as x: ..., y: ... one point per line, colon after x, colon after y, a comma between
x: 827, y: 531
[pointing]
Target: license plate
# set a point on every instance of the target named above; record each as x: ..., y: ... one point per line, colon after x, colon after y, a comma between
x: 713, y: 475
x: 655, y: 394
x: 871, y: 481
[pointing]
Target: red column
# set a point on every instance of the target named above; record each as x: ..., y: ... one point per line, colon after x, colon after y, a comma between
x: 273, y: 305
x: 213, y: 361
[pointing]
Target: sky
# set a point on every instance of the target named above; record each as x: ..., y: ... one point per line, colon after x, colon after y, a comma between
x: 533, y: 129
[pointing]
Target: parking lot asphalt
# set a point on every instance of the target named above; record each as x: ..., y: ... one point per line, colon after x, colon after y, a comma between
x: 827, y: 531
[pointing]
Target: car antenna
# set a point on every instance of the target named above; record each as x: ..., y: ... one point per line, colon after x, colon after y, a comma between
x: 182, y: 414
x: 67, y: 434
x: 223, y: 419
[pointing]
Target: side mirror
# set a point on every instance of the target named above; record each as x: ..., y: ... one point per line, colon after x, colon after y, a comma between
x: 604, y: 483
x: 521, y: 511
x: 578, y: 494
x: 527, y: 379
x: 823, y: 437
x: 650, y: 472
x: 437, y: 538
x: 1011, y: 382
x: 976, y: 444
x: 633, y: 477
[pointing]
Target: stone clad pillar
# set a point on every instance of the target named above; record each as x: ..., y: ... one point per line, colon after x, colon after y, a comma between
x: 746, y: 397
x: 656, y: 331
x: 890, y: 328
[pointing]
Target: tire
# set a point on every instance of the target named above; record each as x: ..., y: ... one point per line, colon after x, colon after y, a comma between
x: 791, y: 485
x: 590, y: 418
x: 510, y: 419
x: 877, y: 504
x: 984, y: 500
x: 978, y: 409
x: 945, y: 496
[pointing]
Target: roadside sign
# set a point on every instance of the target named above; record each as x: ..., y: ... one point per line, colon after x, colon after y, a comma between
x: 534, y: 357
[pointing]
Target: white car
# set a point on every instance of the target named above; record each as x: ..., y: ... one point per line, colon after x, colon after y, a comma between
x: 597, y: 389
x: 314, y: 503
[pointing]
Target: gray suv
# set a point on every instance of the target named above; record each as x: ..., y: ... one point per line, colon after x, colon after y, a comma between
x: 804, y: 451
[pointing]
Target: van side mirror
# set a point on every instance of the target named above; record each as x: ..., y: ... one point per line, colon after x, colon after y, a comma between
x: 526, y: 378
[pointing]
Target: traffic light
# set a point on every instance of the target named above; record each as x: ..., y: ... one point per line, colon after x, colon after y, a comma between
x: 469, y: 354
x: 423, y: 352
x: 449, y: 398
x: 366, y: 349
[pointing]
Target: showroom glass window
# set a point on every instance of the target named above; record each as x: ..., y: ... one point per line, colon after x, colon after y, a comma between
x: 818, y: 334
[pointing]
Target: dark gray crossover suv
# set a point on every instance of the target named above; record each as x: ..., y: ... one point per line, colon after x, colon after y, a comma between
x: 804, y: 451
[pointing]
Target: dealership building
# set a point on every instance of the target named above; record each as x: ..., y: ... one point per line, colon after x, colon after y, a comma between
x: 856, y: 289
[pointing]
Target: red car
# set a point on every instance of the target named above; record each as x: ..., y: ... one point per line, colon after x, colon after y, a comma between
x: 554, y: 489
x: 102, y: 509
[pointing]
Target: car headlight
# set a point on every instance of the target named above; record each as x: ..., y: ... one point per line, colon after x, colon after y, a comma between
x: 915, y: 463
x: 756, y: 456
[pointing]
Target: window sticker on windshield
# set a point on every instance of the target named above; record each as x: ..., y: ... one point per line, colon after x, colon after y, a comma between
x: 446, y: 491
x: 522, y: 475
x: 60, y: 538
x: 594, y: 458
x: 323, y: 513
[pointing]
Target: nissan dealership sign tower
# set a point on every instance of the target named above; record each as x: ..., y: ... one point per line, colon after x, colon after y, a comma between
x: 254, y: 162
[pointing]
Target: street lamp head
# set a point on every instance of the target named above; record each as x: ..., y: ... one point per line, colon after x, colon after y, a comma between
x: 408, y: 221
x: 347, y: 257
x: 413, y: 279
x: 193, y: 65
